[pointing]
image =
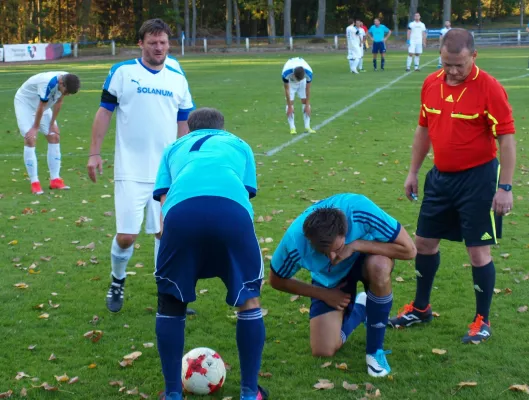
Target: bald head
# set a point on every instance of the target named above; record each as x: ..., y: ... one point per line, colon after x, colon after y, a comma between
x: 456, y: 40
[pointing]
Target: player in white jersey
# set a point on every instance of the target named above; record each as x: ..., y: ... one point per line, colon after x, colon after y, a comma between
x: 37, y: 105
x: 416, y: 41
x: 152, y: 99
x: 447, y: 27
x: 297, y: 79
x: 362, y: 34
x: 354, y: 45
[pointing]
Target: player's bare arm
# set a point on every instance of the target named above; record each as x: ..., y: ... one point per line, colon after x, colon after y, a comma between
x: 402, y: 248
x: 503, y: 202
x: 307, y: 100
x: 183, y: 128
x: 56, y: 109
x: 424, y: 38
x: 333, y: 297
x: 420, y: 148
x: 31, y: 135
x: 162, y: 200
x: 99, y: 130
x: 387, y: 36
x: 290, y: 107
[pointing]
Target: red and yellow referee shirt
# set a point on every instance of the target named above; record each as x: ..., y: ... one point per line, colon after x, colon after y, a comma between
x: 463, y: 121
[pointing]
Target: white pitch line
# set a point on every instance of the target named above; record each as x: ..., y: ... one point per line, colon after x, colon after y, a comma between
x: 277, y: 149
x: 513, y: 78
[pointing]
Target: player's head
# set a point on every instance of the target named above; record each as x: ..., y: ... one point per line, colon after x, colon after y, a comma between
x: 205, y: 118
x: 351, y: 21
x: 299, y: 73
x: 417, y: 17
x: 325, y: 228
x: 69, y: 84
x: 359, y: 23
x: 448, y: 24
x: 376, y: 22
x: 458, y: 53
x: 154, y: 41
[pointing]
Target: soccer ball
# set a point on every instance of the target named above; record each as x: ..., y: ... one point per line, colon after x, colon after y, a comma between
x: 203, y: 371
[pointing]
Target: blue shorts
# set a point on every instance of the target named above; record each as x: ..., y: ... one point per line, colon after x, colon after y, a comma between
x: 319, y: 307
x: 207, y: 237
x: 378, y: 47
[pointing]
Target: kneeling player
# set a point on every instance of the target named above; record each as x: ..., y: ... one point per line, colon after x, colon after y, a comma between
x: 341, y: 240
x: 204, y: 183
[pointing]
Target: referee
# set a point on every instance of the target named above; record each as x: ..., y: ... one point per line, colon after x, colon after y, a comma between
x: 464, y: 111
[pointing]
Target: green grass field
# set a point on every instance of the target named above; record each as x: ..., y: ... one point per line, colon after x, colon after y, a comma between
x: 365, y: 150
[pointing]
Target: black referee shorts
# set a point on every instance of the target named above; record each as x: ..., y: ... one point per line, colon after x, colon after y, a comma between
x: 458, y: 205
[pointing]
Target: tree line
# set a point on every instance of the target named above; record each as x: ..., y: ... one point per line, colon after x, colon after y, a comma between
x: 24, y: 21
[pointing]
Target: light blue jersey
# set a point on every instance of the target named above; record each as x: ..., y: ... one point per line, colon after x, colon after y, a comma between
x: 207, y: 163
x: 365, y: 221
x: 378, y: 32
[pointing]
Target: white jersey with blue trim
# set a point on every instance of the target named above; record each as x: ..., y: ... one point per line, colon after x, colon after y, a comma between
x: 443, y: 31
x: 291, y: 65
x: 149, y: 103
x: 417, y: 29
x: 41, y: 87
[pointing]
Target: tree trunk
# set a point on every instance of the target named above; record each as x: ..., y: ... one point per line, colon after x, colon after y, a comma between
x: 39, y: 20
x: 396, y: 17
x: 414, y: 4
x: 194, y: 23
x: 480, y: 16
x: 287, y: 27
x: 522, y: 12
x: 237, y: 21
x: 229, y: 22
x: 186, y: 22
x: 138, y: 14
x: 320, y: 25
x: 271, y: 22
x: 447, y: 10
x: 176, y: 9
x: 85, y: 19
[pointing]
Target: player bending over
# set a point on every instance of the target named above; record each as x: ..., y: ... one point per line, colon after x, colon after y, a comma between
x: 37, y: 105
x: 204, y: 184
x: 297, y: 79
x: 342, y: 240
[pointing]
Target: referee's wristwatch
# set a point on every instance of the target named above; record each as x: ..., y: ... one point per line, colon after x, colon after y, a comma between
x: 505, y: 186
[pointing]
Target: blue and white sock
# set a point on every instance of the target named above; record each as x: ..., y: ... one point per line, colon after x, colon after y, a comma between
x: 250, y: 336
x: 119, y: 259
x: 355, y: 316
x: 377, y: 309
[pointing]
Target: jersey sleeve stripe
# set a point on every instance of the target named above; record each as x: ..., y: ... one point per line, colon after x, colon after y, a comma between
x: 288, y: 264
x: 158, y: 193
x: 373, y: 216
x: 51, y: 84
x: 174, y: 70
x: 288, y: 271
x: 309, y: 75
x: 113, y: 70
x: 251, y: 191
x: 373, y: 224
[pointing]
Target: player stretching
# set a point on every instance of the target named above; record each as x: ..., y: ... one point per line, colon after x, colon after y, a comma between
x: 152, y: 99
x: 447, y: 27
x: 341, y: 240
x: 297, y: 79
x: 416, y: 41
x: 354, y: 45
x: 378, y: 33
x: 37, y: 105
x: 205, y: 182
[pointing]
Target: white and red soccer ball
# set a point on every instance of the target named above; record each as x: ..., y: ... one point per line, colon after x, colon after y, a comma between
x: 203, y: 371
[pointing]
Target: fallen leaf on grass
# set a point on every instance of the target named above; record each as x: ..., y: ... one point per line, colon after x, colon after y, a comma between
x: 48, y: 387
x: 325, y: 365
x: 21, y: 285
x: 265, y: 374
x: 42, y: 258
x: 116, y: 383
x: 324, y: 384
x: 508, y: 291
x: 294, y: 298
x: 23, y: 392
x: 523, y: 309
x: 519, y: 388
x: 349, y: 386
x: 144, y: 396
x: 80, y: 263
x: 39, y: 306
x: 133, y: 392
x: 53, y: 305
x: 125, y: 363
x: 133, y: 356
x: 92, y: 366
x: 467, y: 384
x: 497, y: 291
x: 399, y: 279
x: 44, y: 316
x: 52, y: 357
x: 342, y: 366
x: 94, y: 335
x: 21, y: 375
x: 62, y: 378
x: 436, y: 314
x: 439, y: 351
x: 73, y: 380
x: 505, y: 255
x: 227, y: 398
x: 202, y: 291
x: 6, y: 395
x: 264, y: 312
x: 32, y: 346
x: 304, y: 310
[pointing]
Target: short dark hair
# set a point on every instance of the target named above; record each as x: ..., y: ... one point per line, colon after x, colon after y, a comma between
x: 154, y: 27
x: 351, y: 21
x: 323, y: 226
x: 205, y: 118
x: 72, y: 83
x: 299, y: 73
x: 458, y: 39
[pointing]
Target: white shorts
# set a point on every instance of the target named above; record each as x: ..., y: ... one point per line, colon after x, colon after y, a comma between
x: 354, y: 53
x: 133, y: 201
x: 415, y: 48
x: 26, y: 117
x: 298, y: 88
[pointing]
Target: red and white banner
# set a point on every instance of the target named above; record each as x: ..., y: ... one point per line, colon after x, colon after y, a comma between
x: 25, y: 52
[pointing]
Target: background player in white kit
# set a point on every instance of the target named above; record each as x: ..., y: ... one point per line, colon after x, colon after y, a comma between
x: 416, y: 41
x: 448, y: 26
x: 37, y: 105
x: 354, y: 45
x: 362, y: 34
x: 297, y: 79
x: 153, y: 101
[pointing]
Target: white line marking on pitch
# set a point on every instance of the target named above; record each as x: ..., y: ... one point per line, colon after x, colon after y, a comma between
x: 340, y: 113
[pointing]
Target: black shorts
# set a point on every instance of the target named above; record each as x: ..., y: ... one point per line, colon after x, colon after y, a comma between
x: 458, y: 205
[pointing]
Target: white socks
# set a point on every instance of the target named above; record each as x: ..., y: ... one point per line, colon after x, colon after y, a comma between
x: 417, y: 59
x: 353, y: 64
x: 156, y: 250
x: 306, y: 118
x: 54, y: 160
x: 119, y: 259
x: 408, y: 62
x: 361, y: 64
x: 30, y: 159
x: 291, y: 120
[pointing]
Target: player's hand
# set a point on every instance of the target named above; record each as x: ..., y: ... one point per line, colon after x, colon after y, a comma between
x: 502, y: 202
x: 32, y: 134
x: 95, y: 163
x: 290, y: 110
x: 54, y: 129
x: 411, y: 185
x: 337, y: 299
x: 307, y: 110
